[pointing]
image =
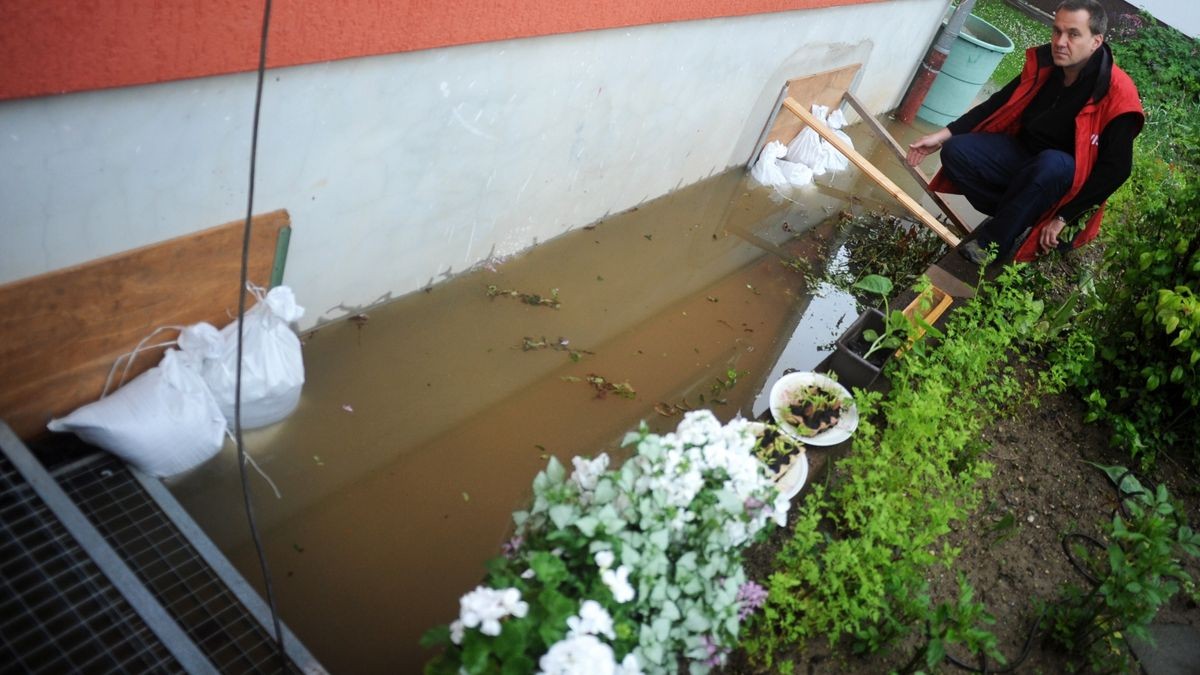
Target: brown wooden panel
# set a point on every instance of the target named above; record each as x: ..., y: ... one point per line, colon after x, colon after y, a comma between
x: 60, y: 332
x: 825, y: 88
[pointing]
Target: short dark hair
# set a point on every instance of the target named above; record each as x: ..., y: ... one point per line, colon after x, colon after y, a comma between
x: 1097, y: 18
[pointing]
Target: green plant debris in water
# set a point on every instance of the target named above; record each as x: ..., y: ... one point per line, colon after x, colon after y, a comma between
x: 527, y: 298
x: 884, y: 245
x: 529, y: 344
x: 716, y: 395
x: 604, y: 387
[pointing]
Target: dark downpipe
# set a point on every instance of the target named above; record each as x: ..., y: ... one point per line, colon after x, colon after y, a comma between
x: 932, y: 65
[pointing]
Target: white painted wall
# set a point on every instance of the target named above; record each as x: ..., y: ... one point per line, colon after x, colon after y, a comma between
x: 1182, y: 15
x: 400, y: 170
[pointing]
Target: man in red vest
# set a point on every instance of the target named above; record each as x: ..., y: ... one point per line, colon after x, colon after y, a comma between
x: 1048, y: 147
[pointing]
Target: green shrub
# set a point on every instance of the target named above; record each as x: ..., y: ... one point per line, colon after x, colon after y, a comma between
x: 856, y: 565
x: 1143, y: 378
x: 1134, y: 576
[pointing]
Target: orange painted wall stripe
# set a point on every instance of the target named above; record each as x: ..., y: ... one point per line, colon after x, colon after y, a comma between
x: 60, y: 46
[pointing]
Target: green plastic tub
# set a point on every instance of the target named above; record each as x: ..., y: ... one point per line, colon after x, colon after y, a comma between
x: 973, y: 57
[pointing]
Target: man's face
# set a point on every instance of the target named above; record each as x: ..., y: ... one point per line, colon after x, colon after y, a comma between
x: 1073, y: 42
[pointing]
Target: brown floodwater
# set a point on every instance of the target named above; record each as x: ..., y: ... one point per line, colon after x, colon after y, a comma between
x: 422, y: 426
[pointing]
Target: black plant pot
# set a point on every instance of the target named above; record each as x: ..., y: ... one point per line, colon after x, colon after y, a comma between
x: 847, y: 360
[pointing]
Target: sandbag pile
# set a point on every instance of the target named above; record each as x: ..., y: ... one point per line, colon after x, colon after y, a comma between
x: 174, y: 417
x: 805, y: 157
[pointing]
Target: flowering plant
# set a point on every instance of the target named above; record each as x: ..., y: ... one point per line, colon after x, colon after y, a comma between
x: 624, y: 571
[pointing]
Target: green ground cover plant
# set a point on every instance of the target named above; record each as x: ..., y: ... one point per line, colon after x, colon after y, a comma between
x: 1023, y: 30
x: 854, y: 571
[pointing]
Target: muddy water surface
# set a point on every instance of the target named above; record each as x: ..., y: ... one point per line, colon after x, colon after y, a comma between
x: 423, y: 423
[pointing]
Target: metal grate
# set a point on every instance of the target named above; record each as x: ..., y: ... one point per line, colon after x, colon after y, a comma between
x: 132, y: 522
x: 60, y: 613
x: 103, y: 571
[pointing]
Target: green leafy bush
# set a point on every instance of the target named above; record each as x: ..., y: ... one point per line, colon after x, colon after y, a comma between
x: 1135, y: 349
x: 1134, y: 576
x: 856, y: 565
x: 1140, y: 373
x: 1165, y: 65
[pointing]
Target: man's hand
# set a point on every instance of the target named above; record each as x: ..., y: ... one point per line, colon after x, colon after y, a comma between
x: 927, y: 145
x: 1048, y: 238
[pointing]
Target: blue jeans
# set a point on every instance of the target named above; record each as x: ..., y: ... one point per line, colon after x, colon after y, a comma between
x: 1000, y: 178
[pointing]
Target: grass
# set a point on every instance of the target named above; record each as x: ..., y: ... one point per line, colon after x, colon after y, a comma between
x: 1024, y: 31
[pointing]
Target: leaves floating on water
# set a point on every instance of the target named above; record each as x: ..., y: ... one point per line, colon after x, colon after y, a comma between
x: 529, y: 344
x: 527, y: 298
x: 717, y: 388
x: 603, y: 386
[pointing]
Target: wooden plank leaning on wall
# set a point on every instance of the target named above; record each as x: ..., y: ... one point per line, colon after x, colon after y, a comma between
x: 60, y: 332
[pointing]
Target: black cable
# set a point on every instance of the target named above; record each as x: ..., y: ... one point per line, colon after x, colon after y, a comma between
x: 237, y: 395
x: 1010, y: 667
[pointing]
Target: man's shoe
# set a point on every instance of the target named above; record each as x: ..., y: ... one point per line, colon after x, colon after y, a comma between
x: 973, y: 253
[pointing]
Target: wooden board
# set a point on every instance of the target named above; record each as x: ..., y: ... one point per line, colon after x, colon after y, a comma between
x: 824, y: 88
x: 902, y: 155
x: 801, y: 111
x: 60, y: 332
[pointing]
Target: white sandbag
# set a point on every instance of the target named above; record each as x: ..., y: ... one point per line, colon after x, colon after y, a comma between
x: 165, y: 421
x: 835, y: 160
x: 806, y: 148
x: 797, y: 174
x: 766, y: 170
x: 272, y: 365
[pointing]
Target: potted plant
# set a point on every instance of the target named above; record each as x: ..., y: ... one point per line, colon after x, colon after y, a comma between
x: 925, y: 309
x: 875, y: 336
x: 785, y: 459
x: 813, y: 409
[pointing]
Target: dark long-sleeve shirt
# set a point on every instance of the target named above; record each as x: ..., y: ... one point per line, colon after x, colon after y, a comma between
x: 1048, y: 122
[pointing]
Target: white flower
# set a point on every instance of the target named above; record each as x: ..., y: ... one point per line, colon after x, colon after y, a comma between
x: 580, y: 655
x: 587, y: 472
x: 456, y: 632
x: 618, y: 582
x: 780, y: 509
x: 527, y: 574
x: 593, y: 619
x: 485, y: 607
x: 629, y: 666
x: 604, y: 559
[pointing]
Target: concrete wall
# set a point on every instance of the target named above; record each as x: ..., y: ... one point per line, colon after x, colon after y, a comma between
x: 399, y: 170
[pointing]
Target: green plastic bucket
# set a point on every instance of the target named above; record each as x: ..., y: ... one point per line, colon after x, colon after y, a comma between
x: 972, y: 59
